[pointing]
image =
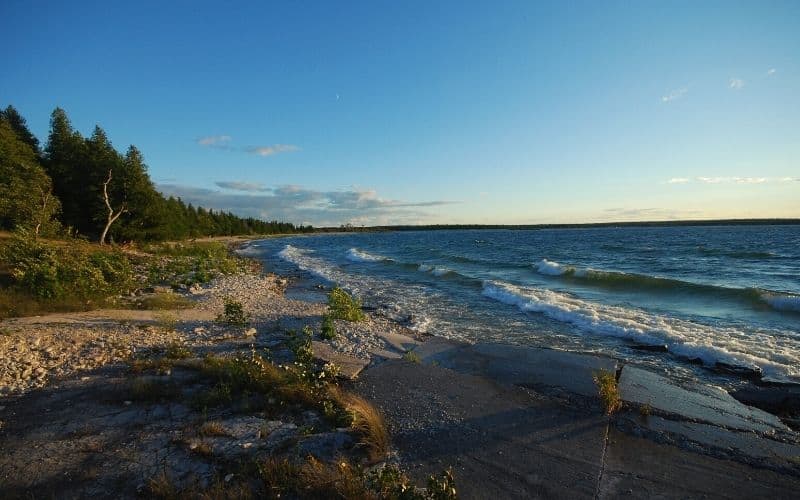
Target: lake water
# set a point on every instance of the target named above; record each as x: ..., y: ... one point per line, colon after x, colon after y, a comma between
x: 715, y: 303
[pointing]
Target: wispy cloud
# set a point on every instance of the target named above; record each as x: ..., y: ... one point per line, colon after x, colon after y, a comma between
x: 215, y: 141
x: 771, y: 71
x: 675, y: 94
x: 224, y: 142
x: 623, y: 214
x: 736, y: 180
x: 271, y: 150
x: 731, y: 180
x: 736, y: 83
x: 301, y: 205
x: 242, y: 186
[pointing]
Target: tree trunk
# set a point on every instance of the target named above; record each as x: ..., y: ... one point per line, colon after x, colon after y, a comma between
x: 112, y: 215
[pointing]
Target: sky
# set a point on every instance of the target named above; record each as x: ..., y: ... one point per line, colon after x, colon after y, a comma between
x: 409, y: 112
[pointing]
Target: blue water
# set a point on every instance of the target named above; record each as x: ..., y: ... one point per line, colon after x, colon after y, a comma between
x: 692, y: 301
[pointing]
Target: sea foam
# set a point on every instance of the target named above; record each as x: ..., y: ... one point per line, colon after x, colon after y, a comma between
x: 754, y: 350
x: 356, y: 255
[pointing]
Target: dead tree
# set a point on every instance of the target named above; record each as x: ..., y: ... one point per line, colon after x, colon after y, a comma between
x: 112, y: 214
x: 46, y: 196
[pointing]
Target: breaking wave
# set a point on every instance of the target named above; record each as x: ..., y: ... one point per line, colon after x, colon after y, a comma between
x: 615, y: 279
x: 356, y: 255
x: 767, y: 354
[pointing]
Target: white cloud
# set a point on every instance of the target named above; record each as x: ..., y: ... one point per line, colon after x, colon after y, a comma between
x: 738, y: 180
x: 242, y: 186
x: 736, y: 83
x: 301, y: 205
x: 214, y: 140
x: 271, y: 150
x: 678, y: 180
x: 771, y: 71
x: 675, y: 94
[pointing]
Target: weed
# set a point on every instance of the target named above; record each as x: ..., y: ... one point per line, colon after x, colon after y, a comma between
x: 366, y: 421
x: 442, y: 487
x: 212, y: 428
x: 328, y: 328
x: 645, y: 410
x: 234, y: 314
x: 150, y: 389
x: 202, y: 448
x: 606, y: 382
x: 343, y: 306
x: 166, y: 320
x: 165, y: 301
x: 162, y: 487
x: 176, y: 350
x: 412, y: 357
x: 159, y: 365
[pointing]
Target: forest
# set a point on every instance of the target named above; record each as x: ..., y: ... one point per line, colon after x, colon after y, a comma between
x: 83, y: 187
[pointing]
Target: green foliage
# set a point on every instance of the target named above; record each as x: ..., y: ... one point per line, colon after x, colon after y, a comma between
x: 234, y: 314
x: 606, y: 382
x: 343, y: 306
x: 191, y: 263
x: 26, y: 196
x: 328, y: 331
x: 52, y: 271
x: 412, y: 357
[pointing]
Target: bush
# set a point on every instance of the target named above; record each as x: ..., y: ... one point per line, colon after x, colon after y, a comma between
x: 234, y: 314
x: 343, y: 306
x: 328, y: 328
x: 55, y: 271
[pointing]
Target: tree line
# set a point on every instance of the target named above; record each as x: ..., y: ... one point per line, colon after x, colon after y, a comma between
x: 82, y: 186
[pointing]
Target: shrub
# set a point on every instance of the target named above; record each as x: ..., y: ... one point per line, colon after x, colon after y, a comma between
x: 343, y: 306
x: 234, y: 314
x: 52, y: 271
x: 609, y: 393
x: 412, y: 357
x: 328, y: 328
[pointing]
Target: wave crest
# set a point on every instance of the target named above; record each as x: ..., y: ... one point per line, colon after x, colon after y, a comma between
x: 774, y: 358
x: 356, y: 255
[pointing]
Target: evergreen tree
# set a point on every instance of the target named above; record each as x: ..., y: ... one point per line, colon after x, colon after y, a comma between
x: 26, y: 196
x: 66, y: 163
x: 20, y: 127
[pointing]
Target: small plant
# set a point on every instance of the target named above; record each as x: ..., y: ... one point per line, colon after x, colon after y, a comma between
x: 176, y: 350
x: 328, y: 328
x: 166, y: 320
x: 212, y: 428
x: 442, y: 487
x: 234, y: 314
x: 412, y: 357
x: 147, y: 389
x: 606, y: 382
x: 367, y: 421
x: 645, y: 410
x: 165, y: 301
x: 202, y: 448
x: 343, y: 306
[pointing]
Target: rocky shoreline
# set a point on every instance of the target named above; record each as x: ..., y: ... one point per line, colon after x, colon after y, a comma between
x: 440, y: 401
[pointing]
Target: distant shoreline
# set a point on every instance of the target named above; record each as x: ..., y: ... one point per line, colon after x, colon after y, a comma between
x: 582, y: 225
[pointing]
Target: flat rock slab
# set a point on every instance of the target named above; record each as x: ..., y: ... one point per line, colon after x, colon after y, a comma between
x: 705, y: 404
x: 350, y: 367
x: 744, y: 446
x: 518, y: 365
x: 502, y: 441
x: 639, y: 468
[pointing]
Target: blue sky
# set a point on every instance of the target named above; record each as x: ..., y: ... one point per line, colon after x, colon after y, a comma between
x: 431, y: 112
